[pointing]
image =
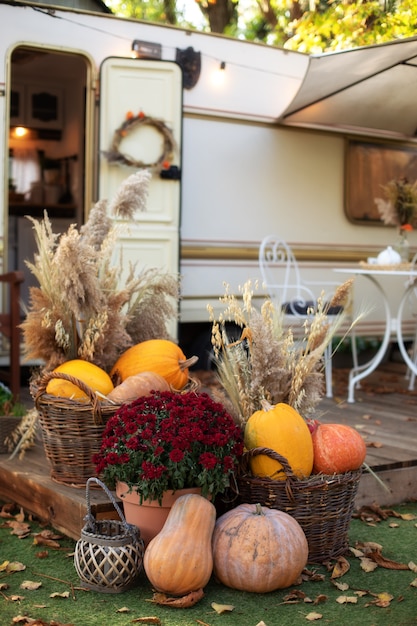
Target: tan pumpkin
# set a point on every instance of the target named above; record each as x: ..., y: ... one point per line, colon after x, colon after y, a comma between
x: 338, y: 448
x: 162, y: 356
x: 258, y: 549
x: 179, y: 559
x: 89, y: 373
x: 137, y: 386
x: 285, y: 431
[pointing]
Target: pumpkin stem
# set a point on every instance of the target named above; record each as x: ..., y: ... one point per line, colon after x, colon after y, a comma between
x: 267, y: 406
x: 258, y: 509
x: 188, y: 362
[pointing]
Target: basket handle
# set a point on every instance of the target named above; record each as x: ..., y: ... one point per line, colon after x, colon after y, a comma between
x: 92, y: 397
x: 249, y: 454
x: 90, y: 517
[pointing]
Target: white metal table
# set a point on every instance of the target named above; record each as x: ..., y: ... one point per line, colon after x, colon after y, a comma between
x: 393, y: 323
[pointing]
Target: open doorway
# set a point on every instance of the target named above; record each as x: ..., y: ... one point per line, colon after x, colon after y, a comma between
x: 47, y: 148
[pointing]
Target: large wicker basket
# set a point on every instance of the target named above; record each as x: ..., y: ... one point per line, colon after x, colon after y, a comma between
x: 322, y: 505
x: 109, y: 554
x: 71, y: 430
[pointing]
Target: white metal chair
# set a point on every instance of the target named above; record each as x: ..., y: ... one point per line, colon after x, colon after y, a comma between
x: 413, y: 352
x: 290, y: 294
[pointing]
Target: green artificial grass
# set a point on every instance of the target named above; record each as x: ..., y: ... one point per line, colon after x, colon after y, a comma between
x: 57, y: 574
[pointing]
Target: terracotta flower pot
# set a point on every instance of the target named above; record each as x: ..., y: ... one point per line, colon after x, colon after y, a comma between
x: 149, y: 516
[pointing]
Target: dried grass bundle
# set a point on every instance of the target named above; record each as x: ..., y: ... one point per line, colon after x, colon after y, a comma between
x: 267, y: 362
x: 79, y: 309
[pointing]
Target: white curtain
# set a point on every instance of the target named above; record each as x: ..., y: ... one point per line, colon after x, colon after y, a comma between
x: 25, y: 169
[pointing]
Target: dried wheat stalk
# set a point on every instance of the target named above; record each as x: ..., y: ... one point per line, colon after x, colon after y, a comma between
x: 267, y: 362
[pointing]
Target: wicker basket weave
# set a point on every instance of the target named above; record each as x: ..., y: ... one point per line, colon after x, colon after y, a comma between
x: 322, y: 505
x: 71, y: 430
x: 109, y: 554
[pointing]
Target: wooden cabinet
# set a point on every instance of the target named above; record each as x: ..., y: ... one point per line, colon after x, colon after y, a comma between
x: 36, y: 106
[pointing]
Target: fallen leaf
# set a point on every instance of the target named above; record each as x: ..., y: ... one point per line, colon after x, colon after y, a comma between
x: 13, y: 566
x: 320, y: 599
x: 414, y: 583
x: 311, y: 617
x: 222, y: 608
x: 368, y: 565
x: 340, y: 586
x: 386, y: 563
x: 355, y: 552
x: 30, y: 585
x: 342, y: 566
x: 408, y: 517
x: 394, y: 525
x: 374, y: 444
x: 179, y: 603
x: 369, y: 546
x: 413, y: 567
x: 20, y: 529
x: 39, y: 540
x: 16, y: 598
x: 146, y: 620
x: 382, y: 600
x: 42, y: 555
x: 64, y: 594
x: 347, y: 600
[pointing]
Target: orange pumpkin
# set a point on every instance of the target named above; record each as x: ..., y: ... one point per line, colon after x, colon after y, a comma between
x: 338, y: 448
x: 162, y: 356
x: 258, y: 549
x: 179, y: 559
x: 283, y: 430
x: 89, y: 373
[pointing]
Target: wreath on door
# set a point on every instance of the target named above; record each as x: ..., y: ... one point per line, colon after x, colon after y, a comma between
x: 131, y: 123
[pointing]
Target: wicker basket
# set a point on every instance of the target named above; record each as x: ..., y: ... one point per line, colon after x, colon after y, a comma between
x: 109, y: 555
x: 71, y: 430
x: 322, y: 505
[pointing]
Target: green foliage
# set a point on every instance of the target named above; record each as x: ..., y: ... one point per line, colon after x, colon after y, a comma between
x: 332, y: 25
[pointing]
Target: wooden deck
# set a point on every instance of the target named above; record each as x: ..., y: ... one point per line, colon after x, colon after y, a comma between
x: 385, y: 413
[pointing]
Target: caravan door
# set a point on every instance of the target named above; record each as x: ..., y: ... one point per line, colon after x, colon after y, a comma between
x: 150, y: 93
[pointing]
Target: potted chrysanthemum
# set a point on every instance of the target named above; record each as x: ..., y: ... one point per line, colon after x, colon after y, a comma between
x: 159, y: 445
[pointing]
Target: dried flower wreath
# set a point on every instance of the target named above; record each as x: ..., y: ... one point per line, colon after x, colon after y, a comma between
x: 132, y: 122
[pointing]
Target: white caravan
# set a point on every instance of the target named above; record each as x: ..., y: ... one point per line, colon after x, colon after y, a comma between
x: 255, y: 139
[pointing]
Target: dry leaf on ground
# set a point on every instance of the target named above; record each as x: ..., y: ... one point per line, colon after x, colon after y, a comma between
x: 178, y: 603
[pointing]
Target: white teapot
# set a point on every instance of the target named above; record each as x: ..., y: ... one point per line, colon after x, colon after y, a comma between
x: 388, y: 257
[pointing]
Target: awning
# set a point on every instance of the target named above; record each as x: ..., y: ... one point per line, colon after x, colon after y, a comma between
x: 369, y: 91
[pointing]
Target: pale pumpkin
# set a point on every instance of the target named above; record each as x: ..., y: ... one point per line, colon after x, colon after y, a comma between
x: 179, y: 559
x: 90, y: 374
x: 338, y: 448
x: 258, y: 549
x: 137, y: 386
x: 285, y: 431
x: 162, y: 356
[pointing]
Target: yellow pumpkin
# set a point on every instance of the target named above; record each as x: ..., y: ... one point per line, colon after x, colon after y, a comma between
x: 89, y: 373
x: 179, y: 559
x: 258, y: 549
x: 285, y: 431
x: 162, y: 356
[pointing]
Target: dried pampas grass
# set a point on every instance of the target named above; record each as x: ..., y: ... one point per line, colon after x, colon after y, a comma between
x: 80, y: 309
x: 266, y: 362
